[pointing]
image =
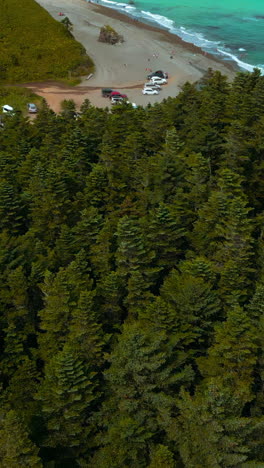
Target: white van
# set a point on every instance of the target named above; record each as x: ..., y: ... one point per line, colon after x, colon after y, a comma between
x: 6, y: 108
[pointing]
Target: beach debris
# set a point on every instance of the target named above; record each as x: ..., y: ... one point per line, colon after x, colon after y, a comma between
x: 109, y: 35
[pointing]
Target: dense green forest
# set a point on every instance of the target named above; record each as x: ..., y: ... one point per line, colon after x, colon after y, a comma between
x: 132, y: 283
x: 34, y: 46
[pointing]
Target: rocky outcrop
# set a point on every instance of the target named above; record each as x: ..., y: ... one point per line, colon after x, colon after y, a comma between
x: 109, y: 35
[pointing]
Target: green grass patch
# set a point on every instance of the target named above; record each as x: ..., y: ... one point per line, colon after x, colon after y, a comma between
x: 18, y: 98
x: 34, y: 46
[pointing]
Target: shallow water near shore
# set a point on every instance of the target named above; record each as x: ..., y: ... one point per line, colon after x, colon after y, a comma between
x: 230, y: 29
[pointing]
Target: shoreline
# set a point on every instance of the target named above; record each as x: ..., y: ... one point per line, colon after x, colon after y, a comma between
x: 166, y: 35
x: 125, y: 65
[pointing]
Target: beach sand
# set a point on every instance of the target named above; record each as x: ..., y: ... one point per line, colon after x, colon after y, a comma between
x: 124, y: 66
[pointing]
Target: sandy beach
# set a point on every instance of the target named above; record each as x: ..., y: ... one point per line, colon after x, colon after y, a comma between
x: 124, y: 66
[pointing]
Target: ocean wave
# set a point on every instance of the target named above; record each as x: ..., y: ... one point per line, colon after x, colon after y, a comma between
x: 195, y: 38
x: 161, y: 20
x: 250, y: 18
x: 117, y: 6
x: 244, y: 65
x: 115, y: 3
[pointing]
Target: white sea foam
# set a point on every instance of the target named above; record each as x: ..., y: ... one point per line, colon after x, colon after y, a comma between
x: 195, y: 38
x: 118, y: 6
x: 115, y: 3
x: 244, y: 65
x: 161, y: 20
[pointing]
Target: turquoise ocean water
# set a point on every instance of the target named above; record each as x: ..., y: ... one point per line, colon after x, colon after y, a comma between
x: 231, y: 29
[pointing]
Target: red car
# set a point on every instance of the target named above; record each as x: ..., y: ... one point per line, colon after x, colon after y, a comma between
x: 117, y: 93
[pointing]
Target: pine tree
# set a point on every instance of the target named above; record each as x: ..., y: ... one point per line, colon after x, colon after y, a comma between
x: 233, y: 355
x: 155, y: 125
x: 131, y: 254
x: 205, y: 436
x: 67, y: 394
x: 255, y: 311
x: 85, y: 332
x: 88, y: 228
x: 236, y: 251
x: 65, y: 249
x: 142, y: 383
x: 185, y: 105
x: 214, y: 428
x: 93, y: 123
x: 110, y: 293
x: 101, y: 250
x: 196, y: 306
x: 16, y: 448
x: 50, y: 201
x: 138, y: 293
x: 165, y: 237
x: 223, y: 233
x: 161, y: 457
x: 21, y: 390
x: 18, y: 322
x: 174, y: 164
x: 96, y: 189
x: 61, y: 295
x: 198, y: 178
x: 12, y: 213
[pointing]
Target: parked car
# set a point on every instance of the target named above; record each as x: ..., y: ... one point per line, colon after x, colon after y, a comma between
x: 158, y: 80
x: 117, y: 99
x: 149, y: 91
x: 150, y: 84
x: 7, y: 109
x: 106, y: 92
x: 117, y: 93
x: 159, y: 73
x: 32, y: 108
x: 77, y: 115
x: 114, y: 93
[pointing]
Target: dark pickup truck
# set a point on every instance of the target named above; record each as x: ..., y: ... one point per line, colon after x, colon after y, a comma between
x: 159, y: 73
x: 106, y: 92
